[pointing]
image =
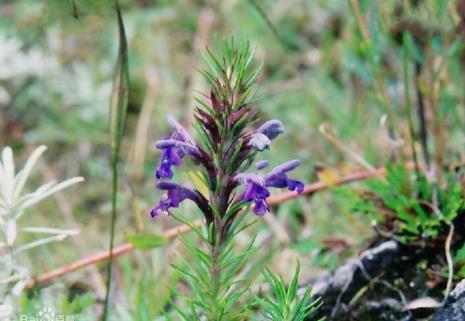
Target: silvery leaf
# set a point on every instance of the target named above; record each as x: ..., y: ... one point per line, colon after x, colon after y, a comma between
x: 10, y: 232
x: 24, y: 173
x: 48, y: 230
x: 40, y: 242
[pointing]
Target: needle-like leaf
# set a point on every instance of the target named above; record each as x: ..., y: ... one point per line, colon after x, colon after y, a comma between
x: 120, y: 90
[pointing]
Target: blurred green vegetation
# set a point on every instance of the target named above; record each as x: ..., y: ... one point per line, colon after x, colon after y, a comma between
x: 322, y: 65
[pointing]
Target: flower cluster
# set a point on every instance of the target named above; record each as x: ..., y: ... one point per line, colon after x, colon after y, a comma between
x: 227, y: 146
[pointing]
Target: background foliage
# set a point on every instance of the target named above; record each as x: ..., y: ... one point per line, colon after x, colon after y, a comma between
x: 322, y: 65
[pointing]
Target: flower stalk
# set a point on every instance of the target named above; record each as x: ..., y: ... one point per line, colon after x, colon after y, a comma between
x: 118, y: 109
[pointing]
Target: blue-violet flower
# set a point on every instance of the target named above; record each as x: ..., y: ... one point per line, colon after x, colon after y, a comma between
x: 174, y: 196
x: 262, y: 138
x: 257, y: 187
x: 174, y: 149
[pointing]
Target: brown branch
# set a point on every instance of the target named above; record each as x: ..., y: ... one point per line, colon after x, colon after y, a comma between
x: 172, y: 233
x: 101, y: 256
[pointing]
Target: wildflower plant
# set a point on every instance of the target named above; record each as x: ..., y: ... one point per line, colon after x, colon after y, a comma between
x: 14, y: 204
x: 230, y: 139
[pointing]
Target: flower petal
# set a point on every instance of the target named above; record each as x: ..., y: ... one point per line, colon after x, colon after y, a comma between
x: 260, y: 141
x: 271, y: 129
x: 261, y: 207
x: 180, y: 133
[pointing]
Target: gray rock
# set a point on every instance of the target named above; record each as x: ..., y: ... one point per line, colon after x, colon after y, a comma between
x: 454, y: 307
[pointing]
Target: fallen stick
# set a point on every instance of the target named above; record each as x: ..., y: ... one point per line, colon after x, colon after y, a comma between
x: 172, y: 233
x: 101, y: 256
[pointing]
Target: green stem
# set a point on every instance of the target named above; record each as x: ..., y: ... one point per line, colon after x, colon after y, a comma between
x: 215, y: 273
x: 112, y: 232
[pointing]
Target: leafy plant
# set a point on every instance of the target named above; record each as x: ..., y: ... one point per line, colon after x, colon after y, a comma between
x: 413, y: 206
x: 285, y: 303
x: 228, y: 145
x: 13, y: 205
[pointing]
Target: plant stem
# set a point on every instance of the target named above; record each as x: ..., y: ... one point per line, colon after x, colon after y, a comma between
x: 421, y: 115
x: 215, y: 275
x: 112, y: 231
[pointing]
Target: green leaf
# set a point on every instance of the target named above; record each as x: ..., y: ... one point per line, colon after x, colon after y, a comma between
x: 147, y: 241
x: 460, y: 255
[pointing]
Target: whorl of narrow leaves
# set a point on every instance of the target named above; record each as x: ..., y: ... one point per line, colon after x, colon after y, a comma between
x: 219, y: 297
x: 120, y: 90
x: 284, y: 303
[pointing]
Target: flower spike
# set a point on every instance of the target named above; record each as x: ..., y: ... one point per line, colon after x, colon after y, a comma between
x: 226, y: 148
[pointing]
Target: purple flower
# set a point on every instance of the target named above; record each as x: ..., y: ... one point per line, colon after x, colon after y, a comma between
x: 174, y: 149
x: 257, y: 187
x: 174, y: 196
x: 262, y: 138
x: 255, y: 191
x: 278, y: 178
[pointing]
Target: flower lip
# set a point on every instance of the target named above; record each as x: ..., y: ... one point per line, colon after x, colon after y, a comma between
x: 258, y: 194
x: 170, y: 157
x: 261, y: 207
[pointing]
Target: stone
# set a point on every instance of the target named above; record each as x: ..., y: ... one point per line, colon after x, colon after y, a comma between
x: 454, y: 306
